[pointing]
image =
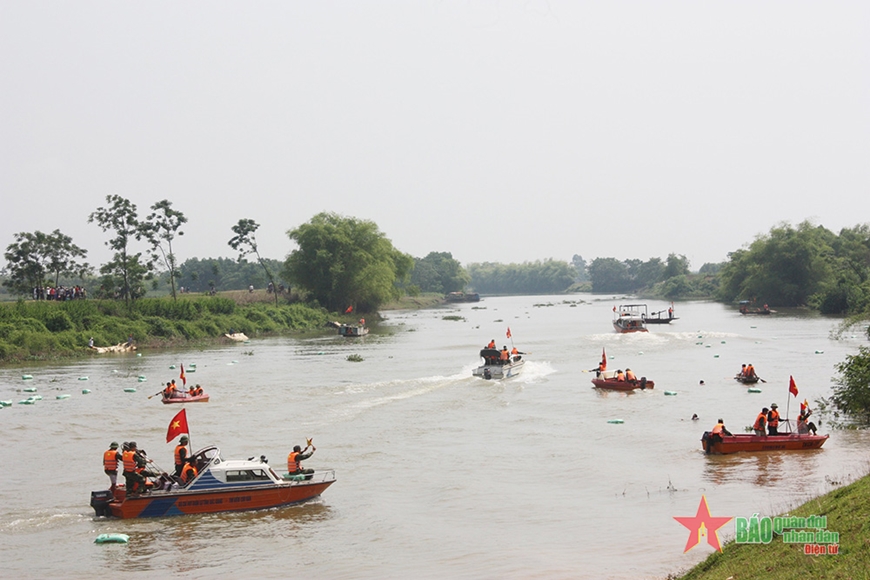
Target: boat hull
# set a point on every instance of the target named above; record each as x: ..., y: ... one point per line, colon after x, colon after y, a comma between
x: 625, y: 326
x: 499, y: 371
x: 747, y: 442
x: 654, y: 320
x: 353, y: 331
x: 174, y: 503
x: 746, y: 380
x: 203, y: 398
x: 615, y: 385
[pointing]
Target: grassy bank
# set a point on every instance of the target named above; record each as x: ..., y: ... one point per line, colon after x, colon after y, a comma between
x: 55, y: 330
x: 848, y: 513
x: 427, y: 300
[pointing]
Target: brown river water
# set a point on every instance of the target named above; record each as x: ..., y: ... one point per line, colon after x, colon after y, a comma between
x: 439, y: 474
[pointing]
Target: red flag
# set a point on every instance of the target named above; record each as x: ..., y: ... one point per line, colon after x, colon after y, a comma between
x: 792, y: 388
x: 177, y: 426
x: 349, y: 310
x: 182, y: 377
x: 509, y: 332
x: 603, y: 360
x: 804, y: 406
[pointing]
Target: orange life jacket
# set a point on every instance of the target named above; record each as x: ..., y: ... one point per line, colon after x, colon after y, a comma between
x: 620, y: 376
x: 717, y: 430
x: 515, y: 351
x: 178, y: 459
x: 292, y: 464
x: 760, y: 421
x: 750, y: 371
x: 773, y: 418
x: 504, y: 355
x: 491, y: 344
x: 198, y: 391
x: 129, y: 458
x: 110, y: 460
x: 188, y: 473
x: 167, y: 392
x: 630, y: 376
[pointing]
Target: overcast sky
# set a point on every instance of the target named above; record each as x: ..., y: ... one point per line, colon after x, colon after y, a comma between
x: 503, y: 131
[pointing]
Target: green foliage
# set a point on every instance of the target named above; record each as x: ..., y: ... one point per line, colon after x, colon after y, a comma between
x: 852, y: 386
x: 547, y: 277
x: 32, y: 257
x: 160, y: 228
x: 203, y: 275
x: 439, y: 272
x: 245, y: 242
x: 345, y: 262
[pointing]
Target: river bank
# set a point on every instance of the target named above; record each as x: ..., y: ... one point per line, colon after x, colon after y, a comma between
x: 846, y: 511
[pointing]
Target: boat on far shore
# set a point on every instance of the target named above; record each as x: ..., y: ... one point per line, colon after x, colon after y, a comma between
x: 745, y: 308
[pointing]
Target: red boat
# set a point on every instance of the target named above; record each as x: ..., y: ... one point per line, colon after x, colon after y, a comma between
x: 747, y: 442
x: 221, y: 486
x: 607, y: 380
x: 182, y: 397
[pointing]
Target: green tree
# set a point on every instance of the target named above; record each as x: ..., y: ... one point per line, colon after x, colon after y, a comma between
x: 245, y: 242
x: 540, y: 277
x: 676, y: 266
x: 126, y: 271
x: 609, y: 275
x: 160, y: 228
x: 852, y: 386
x: 32, y: 257
x: 346, y: 261
x: 439, y: 272
x: 580, y: 265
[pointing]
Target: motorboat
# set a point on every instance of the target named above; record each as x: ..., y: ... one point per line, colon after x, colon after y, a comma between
x: 495, y: 368
x: 607, y: 380
x: 185, y: 397
x: 220, y: 486
x: 630, y: 318
x: 351, y: 331
x: 751, y: 442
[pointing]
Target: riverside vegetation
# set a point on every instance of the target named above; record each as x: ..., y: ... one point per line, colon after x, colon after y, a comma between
x: 51, y: 330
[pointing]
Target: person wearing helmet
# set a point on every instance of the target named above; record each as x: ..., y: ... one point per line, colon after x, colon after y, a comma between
x: 295, y: 459
x: 181, y: 454
x: 773, y: 420
x: 133, y: 480
x: 111, y: 457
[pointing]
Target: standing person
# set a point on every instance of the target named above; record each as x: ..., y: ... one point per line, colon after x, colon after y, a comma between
x: 362, y: 322
x: 295, y: 459
x: 491, y: 344
x: 504, y: 357
x: 133, y: 468
x: 772, y: 420
x: 111, y: 458
x: 181, y: 454
x: 91, y: 342
x: 761, y: 423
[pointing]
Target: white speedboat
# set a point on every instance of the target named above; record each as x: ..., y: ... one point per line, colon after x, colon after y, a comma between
x: 494, y: 368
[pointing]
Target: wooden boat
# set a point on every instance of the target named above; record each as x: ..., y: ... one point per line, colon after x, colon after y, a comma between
x: 221, y: 486
x: 745, y: 380
x: 494, y: 368
x: 607, y: 380
x: 237, y: 336
x: 630, y: 318
x: 749, y: 442
x: 661, y: 317
x: 183, y: 397
x: 352, y: 331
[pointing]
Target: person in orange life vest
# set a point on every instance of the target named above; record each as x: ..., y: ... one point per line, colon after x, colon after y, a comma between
x: 742, y: 372
x: 181, y: 454
x: 716, y: 434
x: 134, y: 466
x: 630, y: 376
x: 191, y: 392
x: 504, y: 357
x: 750, y: 371
x: 169, y: 391
x: 671, y: 312
x: 491, y: 344
x: 198, y: 391
x: 189, y: 472
x: 620, y: 376
x: 773, y: 420
x: 761, y: 422
x: 362, y: 321
x: 111, y: 457
x: 295, y: 459
x: 515, y: 354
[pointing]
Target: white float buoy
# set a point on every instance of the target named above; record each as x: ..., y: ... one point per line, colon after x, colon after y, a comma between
x: 670, y: 393
x: 62, y: 397
x: 85, y: 391
x: 112, y: 539
x: 83, y: 378
x: 29, y: 390
x: 26, y: 377
x: 753, y: 390
x: 130, y: 390
x: 615, y: 421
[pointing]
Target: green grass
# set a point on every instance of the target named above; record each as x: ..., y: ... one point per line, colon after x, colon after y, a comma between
x: 848, y: 513
x: 55, y: 330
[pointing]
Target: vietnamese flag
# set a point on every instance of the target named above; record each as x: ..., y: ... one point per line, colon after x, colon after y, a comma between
x: 349, y: 310
x: 603, y: 360
x: 804, y: 406
x: 792, y: 388
x: 177, y: 426
x: 509, y: 332
x: 182, y: 377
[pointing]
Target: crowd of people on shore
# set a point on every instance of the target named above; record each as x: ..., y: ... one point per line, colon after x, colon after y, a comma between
x: 59, y: 293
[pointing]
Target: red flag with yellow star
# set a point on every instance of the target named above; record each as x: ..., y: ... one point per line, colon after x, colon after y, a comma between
x: 177, y: 426
x: 182, y: 377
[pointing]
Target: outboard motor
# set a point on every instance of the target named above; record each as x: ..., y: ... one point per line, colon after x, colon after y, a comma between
x: 487, y: 374
x: 705, y: 439
x: 643, y: 382
x: 100, y: 502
